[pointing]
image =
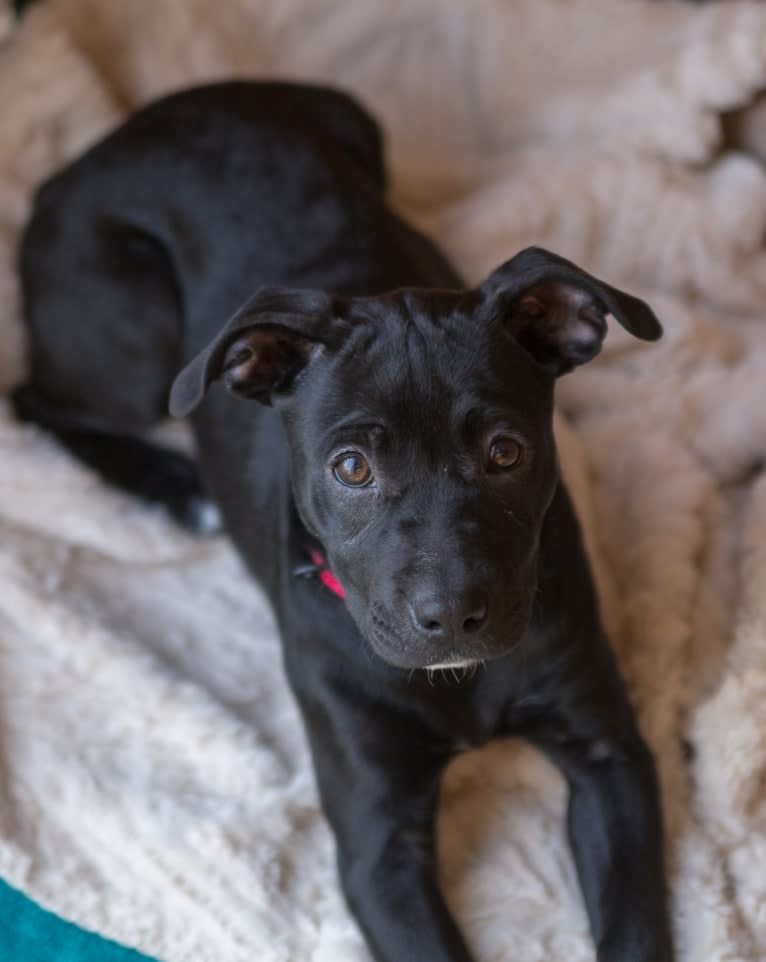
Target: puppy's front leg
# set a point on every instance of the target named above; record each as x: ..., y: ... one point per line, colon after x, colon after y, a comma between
x: 379, y: 780
x: 615, y: 829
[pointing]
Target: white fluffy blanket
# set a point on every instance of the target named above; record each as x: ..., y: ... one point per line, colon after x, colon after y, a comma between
x: 134, y: 798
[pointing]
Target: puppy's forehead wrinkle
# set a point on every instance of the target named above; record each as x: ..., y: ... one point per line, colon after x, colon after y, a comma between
x: 452, y: 314
x: 396, y: 363
x: 361, y: 340
x: 392, y: 374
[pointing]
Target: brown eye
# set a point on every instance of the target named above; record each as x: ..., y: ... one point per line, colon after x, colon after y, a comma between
x: 352, y: 470
x: 504, y: 453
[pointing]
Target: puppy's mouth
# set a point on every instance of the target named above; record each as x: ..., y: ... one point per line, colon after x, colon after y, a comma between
x: 456, y: 665
x: 456, y: 671
x: 410, y: 652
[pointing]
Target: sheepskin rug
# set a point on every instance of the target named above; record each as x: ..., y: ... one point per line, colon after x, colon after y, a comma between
x: 154, y: 779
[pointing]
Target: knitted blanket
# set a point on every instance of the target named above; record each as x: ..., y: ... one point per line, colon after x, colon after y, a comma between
x: 155, y: 784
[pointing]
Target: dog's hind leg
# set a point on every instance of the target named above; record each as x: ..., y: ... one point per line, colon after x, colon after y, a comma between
x: 158, y: 475
x: 103, y: 314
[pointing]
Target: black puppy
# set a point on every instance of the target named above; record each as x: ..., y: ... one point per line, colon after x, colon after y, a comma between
x: 402, y: 445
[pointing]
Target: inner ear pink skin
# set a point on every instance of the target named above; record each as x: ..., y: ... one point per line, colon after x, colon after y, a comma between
x: 261, y: 357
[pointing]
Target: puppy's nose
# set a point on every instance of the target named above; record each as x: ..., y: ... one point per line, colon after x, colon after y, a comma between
x: 452, y: 615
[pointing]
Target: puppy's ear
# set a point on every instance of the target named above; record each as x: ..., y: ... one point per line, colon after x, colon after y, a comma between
x: 557, y: 312
x: 262, y: 348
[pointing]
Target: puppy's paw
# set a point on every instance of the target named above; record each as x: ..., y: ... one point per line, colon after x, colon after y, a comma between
x: 199, y: 515
x: 174, y: 483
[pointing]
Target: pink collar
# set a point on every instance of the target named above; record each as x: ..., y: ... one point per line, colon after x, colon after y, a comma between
x: 326, y: 576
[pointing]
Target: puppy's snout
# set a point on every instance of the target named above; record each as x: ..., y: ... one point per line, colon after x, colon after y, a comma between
x: 450, y: 616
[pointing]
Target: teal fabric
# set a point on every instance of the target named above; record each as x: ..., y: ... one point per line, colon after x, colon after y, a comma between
x: 30, y: 934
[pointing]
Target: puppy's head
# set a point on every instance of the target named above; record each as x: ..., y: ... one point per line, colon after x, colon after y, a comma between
x: 419, y: 426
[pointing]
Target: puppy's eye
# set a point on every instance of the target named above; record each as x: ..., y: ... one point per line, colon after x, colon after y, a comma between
x: 504, y: 454
x: 352, y: 470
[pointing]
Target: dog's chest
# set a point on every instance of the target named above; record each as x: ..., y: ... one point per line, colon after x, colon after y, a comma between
x: 465, y: 712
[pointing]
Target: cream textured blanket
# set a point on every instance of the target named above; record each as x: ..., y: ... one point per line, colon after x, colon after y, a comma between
x: 154, y: 781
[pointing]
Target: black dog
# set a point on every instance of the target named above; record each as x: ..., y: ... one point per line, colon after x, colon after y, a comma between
x: 403, y: 441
